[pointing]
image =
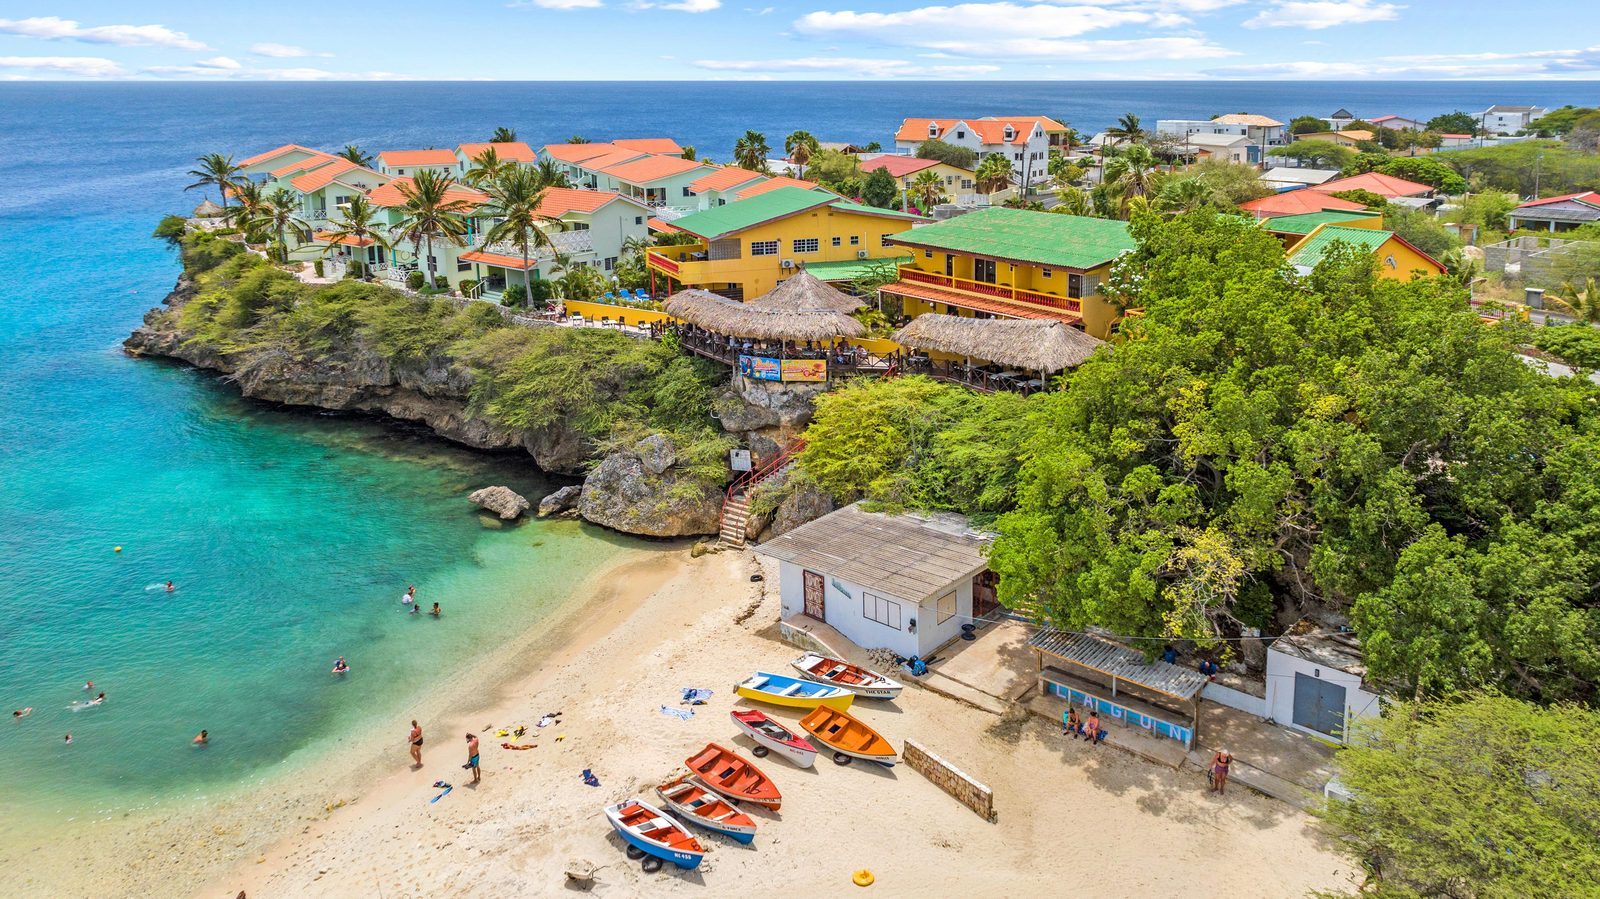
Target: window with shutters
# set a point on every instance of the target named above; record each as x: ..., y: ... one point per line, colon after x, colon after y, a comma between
x: 884, y: 611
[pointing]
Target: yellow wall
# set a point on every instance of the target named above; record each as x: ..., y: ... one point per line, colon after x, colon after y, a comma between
x: 625, y: 314
x: 1408, y: 262
x: 1098, y: 315
x: 759, y: 274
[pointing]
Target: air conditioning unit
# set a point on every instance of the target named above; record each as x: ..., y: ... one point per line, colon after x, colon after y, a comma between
x: 787, y: 263
x: 861, y: 254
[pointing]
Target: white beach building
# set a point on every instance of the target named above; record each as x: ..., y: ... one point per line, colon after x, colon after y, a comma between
x: 1502, y: 119
x: 1317, y: 681
x: 901, y: 582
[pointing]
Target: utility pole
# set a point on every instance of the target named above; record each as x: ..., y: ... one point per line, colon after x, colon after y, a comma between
x: 1538, y: 158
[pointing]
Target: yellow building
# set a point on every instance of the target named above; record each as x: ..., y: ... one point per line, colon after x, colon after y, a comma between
x: 1292, y: 229
x: 958, y: 184
x: 1398, y: 260
x: 744, y: 249
x: 1013, y: 263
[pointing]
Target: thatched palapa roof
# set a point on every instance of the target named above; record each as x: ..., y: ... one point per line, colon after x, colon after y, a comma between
x: 206, y: 210
x: 1032, y: 344
x: 805, y: 292
x: 724, y: 316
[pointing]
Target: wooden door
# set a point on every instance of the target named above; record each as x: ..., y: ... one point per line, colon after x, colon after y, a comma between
x: 815, y: 596
x: 984, y: 599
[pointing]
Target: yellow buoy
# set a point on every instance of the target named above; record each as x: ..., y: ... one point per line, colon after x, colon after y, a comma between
x: 118, y: 549
x: 862, y: 878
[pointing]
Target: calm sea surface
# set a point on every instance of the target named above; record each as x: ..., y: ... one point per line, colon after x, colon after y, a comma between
x: 291, y: 535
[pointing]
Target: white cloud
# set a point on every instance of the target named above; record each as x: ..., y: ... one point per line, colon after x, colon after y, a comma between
x: 226, y: 63
x: 1530, y: 64
x: 283, y: 51
x: 82, y: 66
x: 554, y: 4
x: 1319, y: 14
x: 1129, y: 50
x: 681, y: 5
x: 925, y: 26
x: 224, y: 68
x: 53, y: 28
x: 843, y: 65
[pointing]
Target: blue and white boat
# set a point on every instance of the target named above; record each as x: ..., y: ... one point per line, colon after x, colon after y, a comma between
x: 779, y: 689
x: 654, y: 833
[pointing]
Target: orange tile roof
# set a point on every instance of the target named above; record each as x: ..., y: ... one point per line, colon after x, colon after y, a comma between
x: 1377, y: 182
x: 773, y: 184
x: 990, y: 129
x: 346, y: 240
x: 1295, y: 202
x: 723, y: 178
x: 663, y: 145
x: 391, y: 194
x: 576, y: 153
x: 511, y: 262
x: 612, y: 156
x: 322, y: 175
x: 304, y: 165
x: 559, y: 201
x: 650, y: 168
x: 516, y: 151
x: 417, y: 157
x: 659, y: 225
x: 279, y: 151
x: 898, y: 166
x: 981, y: 304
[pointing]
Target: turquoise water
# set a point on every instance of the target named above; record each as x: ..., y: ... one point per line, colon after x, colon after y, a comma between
x: 290, y: 537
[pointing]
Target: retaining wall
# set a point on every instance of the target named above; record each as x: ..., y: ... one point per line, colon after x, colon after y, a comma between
x: 947, y: 777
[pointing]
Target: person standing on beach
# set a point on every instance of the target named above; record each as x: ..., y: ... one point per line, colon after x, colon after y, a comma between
x: 472, y: 757
x: 416, y: 743
x: 1220, y: 763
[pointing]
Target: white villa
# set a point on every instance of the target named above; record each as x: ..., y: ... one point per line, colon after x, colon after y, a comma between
x: 1024, y: 140
x: 1500, y: 119
x: 410, y: 162
x: 1259, y: 130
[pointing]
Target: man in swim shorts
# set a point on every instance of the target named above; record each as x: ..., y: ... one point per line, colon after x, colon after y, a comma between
x: 472, y: 757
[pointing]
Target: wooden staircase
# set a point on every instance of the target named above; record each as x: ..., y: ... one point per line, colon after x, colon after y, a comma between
x: 735, y: 520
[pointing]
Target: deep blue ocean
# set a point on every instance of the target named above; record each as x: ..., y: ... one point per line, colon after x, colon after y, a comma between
x: 291, y: 535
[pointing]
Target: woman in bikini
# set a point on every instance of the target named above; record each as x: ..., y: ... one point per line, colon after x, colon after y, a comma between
x: 416, y: 743
x: 1219, y: 771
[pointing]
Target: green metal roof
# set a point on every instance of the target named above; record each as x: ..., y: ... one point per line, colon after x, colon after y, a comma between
x: 1307, y: 222
x: 848, y: 269
x: 1311, y: 251
x: 1042, y: 238
x: 847, y: 206
x: 741, y: 214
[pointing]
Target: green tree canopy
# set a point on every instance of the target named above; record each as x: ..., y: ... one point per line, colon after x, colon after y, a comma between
x: 879, y: 189
x: 1317, y: 154
x: 1487, y: 798
x: 1337, y: 440
x: 1558, y: 122
x: 1424, y: 170
x: 1308, y: 124
x: 947, y: 153
x: 1457, y: 122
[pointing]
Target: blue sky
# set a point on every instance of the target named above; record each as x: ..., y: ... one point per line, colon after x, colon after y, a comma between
x: 654, y: 40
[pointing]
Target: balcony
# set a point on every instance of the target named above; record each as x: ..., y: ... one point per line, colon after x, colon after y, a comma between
x: 1058, y: 306
x: 567, y: 243
x: 681, y: 261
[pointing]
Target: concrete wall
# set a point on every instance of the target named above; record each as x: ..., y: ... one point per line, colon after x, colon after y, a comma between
x: 968, y: 791
x: 1281, y: 671
x: 1235, y: 699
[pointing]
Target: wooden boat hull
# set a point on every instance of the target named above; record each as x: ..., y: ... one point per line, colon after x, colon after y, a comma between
x: 863, y: 682
x: 730, y: 774
x: 654, y: 832
x: 849, y: 736
x: 703, y: 808
x: 765, y: 732
x: 792, y: 692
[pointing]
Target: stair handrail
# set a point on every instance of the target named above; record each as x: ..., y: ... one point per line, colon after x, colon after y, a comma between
x: 755, y: 476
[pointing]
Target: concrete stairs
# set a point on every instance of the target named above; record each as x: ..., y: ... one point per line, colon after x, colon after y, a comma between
x: 735, y: 520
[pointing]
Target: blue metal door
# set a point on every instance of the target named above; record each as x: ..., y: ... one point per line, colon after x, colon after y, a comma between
x: 1319, y: 705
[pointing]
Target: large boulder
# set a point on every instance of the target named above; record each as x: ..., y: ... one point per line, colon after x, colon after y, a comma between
x: 656, y: 454
x: 623, y: 493
x: 805, y: 503
x: 751, y: 405
x: 502, y: 501
x: 560, y: 501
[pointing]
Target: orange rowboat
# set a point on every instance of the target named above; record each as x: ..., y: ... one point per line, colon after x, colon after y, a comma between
x: 848, y: 737
x: 730, y: 774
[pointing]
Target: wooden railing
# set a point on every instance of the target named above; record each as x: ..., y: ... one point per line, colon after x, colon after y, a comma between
x: 662, y: 262
x: 998, y: 291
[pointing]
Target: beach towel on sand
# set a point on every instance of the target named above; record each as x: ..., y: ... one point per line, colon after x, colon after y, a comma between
x: 695, y: 695
x: 684, y: 714
x: 590, y: 779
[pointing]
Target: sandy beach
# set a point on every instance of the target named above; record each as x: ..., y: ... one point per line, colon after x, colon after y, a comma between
x: 1068, y: 816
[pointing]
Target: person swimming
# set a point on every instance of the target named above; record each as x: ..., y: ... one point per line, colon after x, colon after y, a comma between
x: 415, y: 608
x: 88, y: 686
x: 201, y: 739
x: 98, y: 699
x: 434, y: 611
x: 22, y: 713
x: 340, y: 666
x: 170, y: 588
x: 69, y: 738
x: 411, y: 595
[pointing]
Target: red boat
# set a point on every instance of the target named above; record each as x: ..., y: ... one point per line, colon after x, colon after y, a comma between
x: 770, y: 736
x: 735, y: 777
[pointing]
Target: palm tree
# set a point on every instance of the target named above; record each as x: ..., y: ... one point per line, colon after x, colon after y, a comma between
x: 993, y: 173
x: 1583, y: 305
x: 356, y: 155
x: 577, y: 139
x: 279, y: 212
x: 487, y: 167
x: 250, y: 198
x: 429, y: 212
x: 1127, y: 128
x: 503, y: 135
x: 1132, y: 171
x: 801, y: 146
x: 360, y: 225
x: 550, y: 174
x: 751, y: 151
x: 1178, y: 195
x: 514, y: 199
x: 1072, y: 201
x: 689, y: 153
x: 216, y: 171
x: 928, y: 188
